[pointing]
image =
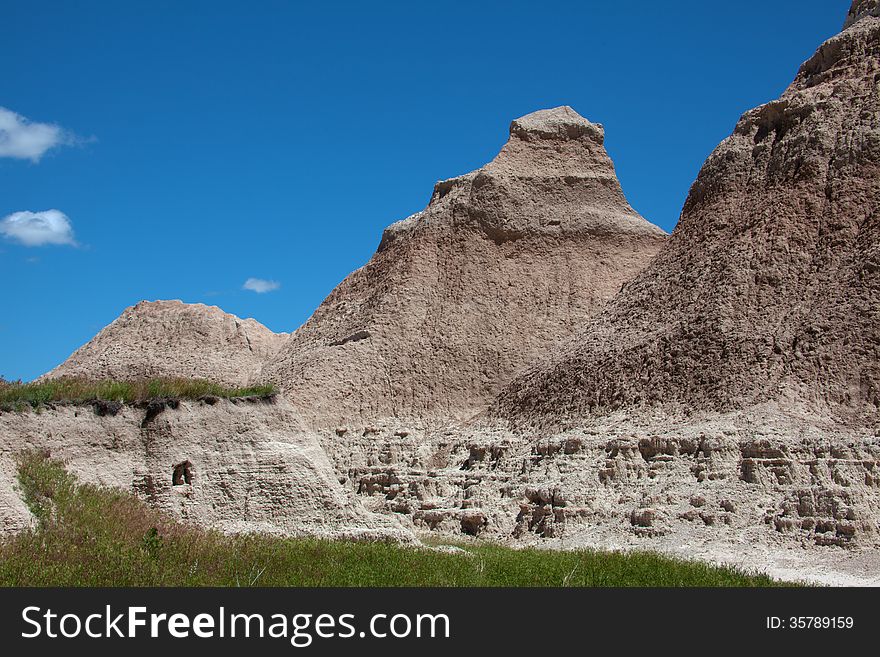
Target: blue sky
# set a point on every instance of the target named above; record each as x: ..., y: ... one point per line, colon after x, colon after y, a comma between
x: 202, y: 144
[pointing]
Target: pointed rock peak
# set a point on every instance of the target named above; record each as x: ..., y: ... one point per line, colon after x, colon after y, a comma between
x: 552, y: 177
x: 861, y: 9
x: 696, y: 330
x: 557, y: 123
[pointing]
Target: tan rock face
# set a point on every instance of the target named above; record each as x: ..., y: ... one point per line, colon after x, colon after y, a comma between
x: 733, y: 489
x: 175, y: 339
x: 234, y: 466
x: 768, y: 290
x: 770, y: 285
x: 503, y: 262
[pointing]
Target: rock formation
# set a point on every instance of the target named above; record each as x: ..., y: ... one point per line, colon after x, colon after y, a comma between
x: 751, y: 488
x: 723, y: 405
x: 504, y: 262
x: 237, y: 466
x: 764, y: 303
x: 860, y: 9
x: 769, y: 287
x: 175, y: 339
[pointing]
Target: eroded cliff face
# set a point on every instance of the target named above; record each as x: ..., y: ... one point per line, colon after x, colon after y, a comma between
x: 237, y: 466
x: 724, y: 402
x: 769, y: 287
x: 503, y: 262
x: 761, y: 491
x: 172, y: 339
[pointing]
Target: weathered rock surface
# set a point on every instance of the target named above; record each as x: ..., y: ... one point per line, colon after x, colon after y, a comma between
x: 14, y: 514
x: 758, y: 486
x: 175, y: 339
x: 861, y: 9
x: 769, y: 287
x: 236, y: 466
x: 503, y: 262
x: 763, y: 304
x: 722, y: 406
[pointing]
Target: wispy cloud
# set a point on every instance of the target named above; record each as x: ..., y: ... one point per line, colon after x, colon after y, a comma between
x: 260, y: 286
x: 28, y: 140
x: 38, y: 228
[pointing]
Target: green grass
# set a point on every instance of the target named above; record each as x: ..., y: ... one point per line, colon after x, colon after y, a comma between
x: 92, y: 536
x: 16, y: 396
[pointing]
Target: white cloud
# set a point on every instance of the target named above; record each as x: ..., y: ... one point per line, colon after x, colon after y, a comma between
x: 260, y: 286
x: 27, y: 140
x: 38, y: 228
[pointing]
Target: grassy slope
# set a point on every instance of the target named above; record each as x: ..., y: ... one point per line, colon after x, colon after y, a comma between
x: 17, y: 395
x: 91, y: 536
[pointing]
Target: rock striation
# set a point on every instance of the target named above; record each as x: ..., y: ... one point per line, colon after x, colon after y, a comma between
x: 175, y: 339
x: 504, y: 262
x: 769, y: 287
x: 704, y: 481
x: 722, y: 405
x: 233, y: 465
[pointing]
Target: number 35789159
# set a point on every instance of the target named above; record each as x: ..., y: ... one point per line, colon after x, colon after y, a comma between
x: 810, y: 623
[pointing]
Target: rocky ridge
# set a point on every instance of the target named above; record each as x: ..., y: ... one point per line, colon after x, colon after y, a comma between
x: 769, y: 287
x: 175, y: 340
x: 503, y: 263
x: 723, y: 403
x: 861, y: 9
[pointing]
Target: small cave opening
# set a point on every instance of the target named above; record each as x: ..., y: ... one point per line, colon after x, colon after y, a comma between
x: 182, y: 474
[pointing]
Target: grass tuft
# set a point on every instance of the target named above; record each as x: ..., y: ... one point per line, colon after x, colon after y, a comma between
x: 87, y: 535
x: 18, y: 396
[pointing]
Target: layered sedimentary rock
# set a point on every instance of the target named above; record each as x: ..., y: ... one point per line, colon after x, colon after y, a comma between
x: 504, y: 262
x: 175, y: 339
x: 717, y: 480
x: 769, y: 287
x: 237, y: 466
x: 764, y: 303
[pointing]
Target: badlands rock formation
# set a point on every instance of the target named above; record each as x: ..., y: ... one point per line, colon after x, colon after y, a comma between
x: 723, y: 405
x: 743, y: 490
x: 763, y: 303
x: 232, y: 465
x: 769, y: 288
x: 175, y: 339
x: 504, y: 262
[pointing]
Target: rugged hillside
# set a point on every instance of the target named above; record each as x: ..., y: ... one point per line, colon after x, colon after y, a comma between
x: 231, y: 465
x: 861, y: 9
x: 504, y: 262
x: 769, y: 287
x: 175, y: 339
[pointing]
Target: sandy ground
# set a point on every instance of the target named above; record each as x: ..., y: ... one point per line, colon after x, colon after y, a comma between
x: 829, y: 566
